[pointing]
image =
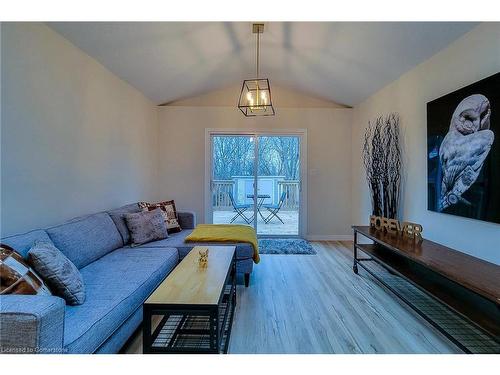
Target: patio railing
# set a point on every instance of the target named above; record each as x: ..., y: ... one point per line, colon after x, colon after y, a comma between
x: 292, y: 190
x: 220, y: 196
x: 221, y: 188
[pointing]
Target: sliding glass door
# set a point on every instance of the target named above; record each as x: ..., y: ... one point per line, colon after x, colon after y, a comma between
x: 233, y: 171
x: 255, y: 180
x: 278, y: 185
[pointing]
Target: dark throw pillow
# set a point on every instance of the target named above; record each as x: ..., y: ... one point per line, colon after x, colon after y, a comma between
x: 146, y: 226
x: 169, y: 213
x: 17, y: 277
x: 60, y: 274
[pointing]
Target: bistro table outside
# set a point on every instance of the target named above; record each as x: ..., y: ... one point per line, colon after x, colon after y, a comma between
x: 260, y: 201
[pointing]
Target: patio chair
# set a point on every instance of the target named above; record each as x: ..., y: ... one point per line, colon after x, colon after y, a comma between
x: 274, y: 209
x: 239, y: 209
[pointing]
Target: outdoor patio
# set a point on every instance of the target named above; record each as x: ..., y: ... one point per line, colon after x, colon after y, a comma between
x: 275, y: 227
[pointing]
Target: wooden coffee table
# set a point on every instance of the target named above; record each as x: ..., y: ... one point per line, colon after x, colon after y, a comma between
x: 194, y: 305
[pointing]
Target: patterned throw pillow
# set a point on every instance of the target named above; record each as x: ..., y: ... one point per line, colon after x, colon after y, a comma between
x: 146, y: 226
x: 169, y: 213
x: 60, y: 274
x: 16, y: 276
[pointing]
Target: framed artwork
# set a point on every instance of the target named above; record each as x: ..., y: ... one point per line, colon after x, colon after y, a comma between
x: 463, y: 151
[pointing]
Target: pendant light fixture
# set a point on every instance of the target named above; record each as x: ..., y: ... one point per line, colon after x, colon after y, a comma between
x: 255, y: 95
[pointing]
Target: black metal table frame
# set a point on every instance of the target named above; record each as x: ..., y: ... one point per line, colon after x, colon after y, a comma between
x: 261, y: 198
x: 216, y: 326
x: 359, y: 261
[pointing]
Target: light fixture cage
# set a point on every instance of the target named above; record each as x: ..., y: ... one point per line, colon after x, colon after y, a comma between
x: 255, y: 98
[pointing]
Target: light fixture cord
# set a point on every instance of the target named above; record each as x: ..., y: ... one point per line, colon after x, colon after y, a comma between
x: 258, y: 34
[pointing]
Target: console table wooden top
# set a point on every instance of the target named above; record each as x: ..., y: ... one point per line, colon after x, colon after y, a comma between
x: 473, y: 273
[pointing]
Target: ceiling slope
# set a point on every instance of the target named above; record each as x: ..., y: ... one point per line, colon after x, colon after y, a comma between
x: 341, y: 62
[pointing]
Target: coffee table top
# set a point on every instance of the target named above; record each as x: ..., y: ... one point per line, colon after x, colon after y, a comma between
x: 190, y: 284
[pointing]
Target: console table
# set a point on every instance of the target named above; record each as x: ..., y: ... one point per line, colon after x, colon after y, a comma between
x: 456, y: 293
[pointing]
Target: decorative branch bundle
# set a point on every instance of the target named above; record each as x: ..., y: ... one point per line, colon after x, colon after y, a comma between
x: 382, y: 161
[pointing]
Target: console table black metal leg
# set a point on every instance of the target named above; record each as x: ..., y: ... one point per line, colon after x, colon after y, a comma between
x: 355, y: 253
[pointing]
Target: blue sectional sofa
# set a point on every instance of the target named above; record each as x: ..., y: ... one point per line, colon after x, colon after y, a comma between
x: 117, y: 279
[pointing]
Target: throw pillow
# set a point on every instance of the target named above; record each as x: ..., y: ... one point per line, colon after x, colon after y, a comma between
x: 169, y: 213
x: 58, y: 271
x: 146, y: 226
x: 16, y: 276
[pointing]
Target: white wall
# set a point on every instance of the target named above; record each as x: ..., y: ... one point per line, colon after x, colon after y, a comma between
x: 75, y: 138
x: 474, y: 56
x: 182, y: 161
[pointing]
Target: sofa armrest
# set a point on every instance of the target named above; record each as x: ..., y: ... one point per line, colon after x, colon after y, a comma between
x: 187, y: 219
x: 31, y: 324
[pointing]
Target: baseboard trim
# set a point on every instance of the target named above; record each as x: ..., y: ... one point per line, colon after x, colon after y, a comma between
x: 332, y: 237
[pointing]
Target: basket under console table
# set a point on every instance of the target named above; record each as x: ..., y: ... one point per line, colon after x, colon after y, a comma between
x: 456, y: 293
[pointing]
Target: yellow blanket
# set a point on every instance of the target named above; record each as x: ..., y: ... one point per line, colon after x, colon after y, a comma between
x: 226, y: 233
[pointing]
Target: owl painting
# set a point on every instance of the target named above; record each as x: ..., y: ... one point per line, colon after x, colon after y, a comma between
x: 464, y: 148
x: 464, y: 158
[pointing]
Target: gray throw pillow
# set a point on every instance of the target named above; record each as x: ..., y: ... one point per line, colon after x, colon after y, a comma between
x: 146, y: 226
x: 60, y: 274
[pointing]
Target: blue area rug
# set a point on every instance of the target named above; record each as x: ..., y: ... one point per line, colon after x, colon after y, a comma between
x: 285, y: 246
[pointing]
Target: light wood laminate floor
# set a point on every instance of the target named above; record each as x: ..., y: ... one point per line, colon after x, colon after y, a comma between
x: 316, y: 304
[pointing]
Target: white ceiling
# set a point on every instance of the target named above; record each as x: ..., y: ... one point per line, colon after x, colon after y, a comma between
x: 344, y: 62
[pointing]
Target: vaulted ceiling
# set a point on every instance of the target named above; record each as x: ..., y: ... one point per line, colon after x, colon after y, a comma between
x: 343, y: 62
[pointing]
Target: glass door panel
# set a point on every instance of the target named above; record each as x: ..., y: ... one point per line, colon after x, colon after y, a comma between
x: 278, y: 185
x: 256, y: 181
x: 233, y: 177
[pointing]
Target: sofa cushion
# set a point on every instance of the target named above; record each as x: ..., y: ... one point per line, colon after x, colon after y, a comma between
x: 146, y: 226
x: 243, y: 250
x: 58, y: 271
x: 173, y: 240
x: 86, y: 240
x: 169, y: 213
x: 22, y: 242
x: 17, y: 277
x: 116, y: 285
x: 187, y: 219
x: 118, y: 217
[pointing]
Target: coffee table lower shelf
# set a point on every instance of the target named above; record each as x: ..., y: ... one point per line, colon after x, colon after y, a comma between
x: 191, y: 328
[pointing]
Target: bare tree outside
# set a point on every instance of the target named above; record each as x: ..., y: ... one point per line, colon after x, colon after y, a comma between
x: 279, y: 156
x: 234, y: 156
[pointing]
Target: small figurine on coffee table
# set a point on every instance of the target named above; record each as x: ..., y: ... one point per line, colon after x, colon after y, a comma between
x: 203, y: 259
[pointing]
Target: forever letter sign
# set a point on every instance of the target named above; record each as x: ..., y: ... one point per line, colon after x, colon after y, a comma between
x: 394, y: 226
